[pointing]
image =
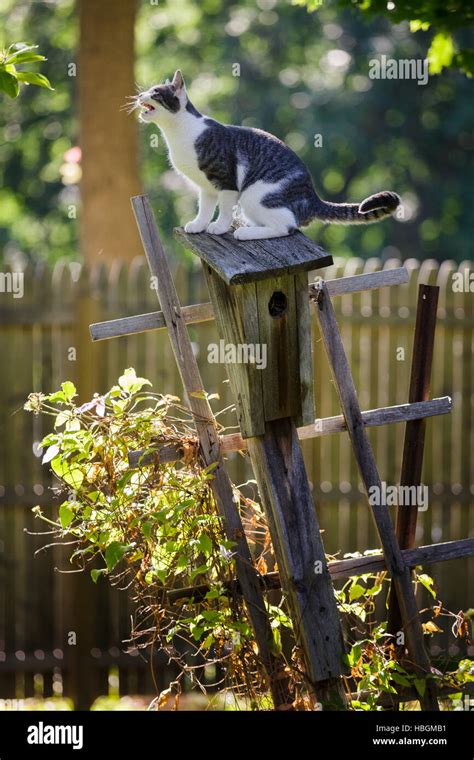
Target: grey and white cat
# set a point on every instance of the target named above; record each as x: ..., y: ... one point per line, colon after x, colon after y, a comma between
x: 232, y: 166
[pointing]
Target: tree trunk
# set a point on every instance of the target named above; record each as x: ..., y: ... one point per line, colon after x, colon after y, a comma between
x: 108, y: 136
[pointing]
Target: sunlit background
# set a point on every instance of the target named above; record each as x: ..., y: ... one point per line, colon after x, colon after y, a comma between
x: 299, y: 75
x: 70, y: 159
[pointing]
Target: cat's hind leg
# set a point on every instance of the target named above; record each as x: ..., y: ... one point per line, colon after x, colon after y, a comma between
x: 267, y: 222
x: 227, y: 200
x: 262, y: 233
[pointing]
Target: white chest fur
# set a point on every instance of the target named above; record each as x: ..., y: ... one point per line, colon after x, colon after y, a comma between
x: 180, y: 139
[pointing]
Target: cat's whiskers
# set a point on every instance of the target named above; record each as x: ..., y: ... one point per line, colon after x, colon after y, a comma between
x: 132, y: 105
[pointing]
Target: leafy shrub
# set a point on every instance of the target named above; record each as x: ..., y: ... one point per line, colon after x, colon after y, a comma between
x: 154, y: 528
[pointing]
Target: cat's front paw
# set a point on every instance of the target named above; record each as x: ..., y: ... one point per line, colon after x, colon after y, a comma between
x: 194, y: 226
x: 217, y: 228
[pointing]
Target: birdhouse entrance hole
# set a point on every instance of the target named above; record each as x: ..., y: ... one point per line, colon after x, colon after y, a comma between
x: 278, y: 304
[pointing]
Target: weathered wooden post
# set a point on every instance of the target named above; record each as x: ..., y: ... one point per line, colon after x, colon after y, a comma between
x: 259, y: 292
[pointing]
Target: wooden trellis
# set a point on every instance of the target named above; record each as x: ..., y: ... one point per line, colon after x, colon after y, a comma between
x: 260, y: 295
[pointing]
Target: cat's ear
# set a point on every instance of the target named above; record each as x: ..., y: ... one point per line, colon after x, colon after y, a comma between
x: 178, y: 82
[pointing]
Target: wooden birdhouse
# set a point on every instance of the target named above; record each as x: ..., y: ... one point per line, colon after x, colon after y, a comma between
x: 259, y: 293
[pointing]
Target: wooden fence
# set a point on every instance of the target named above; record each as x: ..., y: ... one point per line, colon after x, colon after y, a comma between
x: 44, y: 339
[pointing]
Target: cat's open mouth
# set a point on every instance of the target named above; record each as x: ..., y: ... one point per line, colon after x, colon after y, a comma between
x: 147, y: 107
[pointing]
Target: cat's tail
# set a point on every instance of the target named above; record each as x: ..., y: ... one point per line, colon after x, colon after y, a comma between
x: 372, y: 209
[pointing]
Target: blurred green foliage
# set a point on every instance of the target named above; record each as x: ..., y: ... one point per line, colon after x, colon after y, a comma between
x: 441, y: 17
x: 265, y: 63
x: 36, y: 130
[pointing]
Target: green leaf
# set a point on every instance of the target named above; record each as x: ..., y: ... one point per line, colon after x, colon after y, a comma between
x: 212, y: 616
x: 61, y: 419
x: 205, y: 543
x: 441, y: 52
x: 311, y: 5
x: 130, y: 382
x: 198, y: 394
x: 465, y: 670
x: 357, y: 705
x: 374, y: 590
x: 96, y: 573
x: 275, y: 644
x: 416, y: 25
x: 427, y: 582
x: 183, y: 504
x: 115, y: 552
x: 398, y: 678
x: 182, y: 562
x: 69, y: 390
x: 32, y: 78
x: 73, y: 476
x: 66, y: 515
x: 279, y: 617
x: 207, y: 470
x: 50, y: 453
x: 57, y: 466
x: 18, y: 49
x: 201, y: 570
x: 354, y: 655
x: 208, y: 641
x: 8, y: 83
x: 118, y: 407
x: 197, y: 631
x: 25, y: 56
x: 121, y: 482
x: 146, y: 529
x: 213, y: 594
x: 356, y: 592
x: 57, y: 396
x: 359, y: 610
x: 420, y: 686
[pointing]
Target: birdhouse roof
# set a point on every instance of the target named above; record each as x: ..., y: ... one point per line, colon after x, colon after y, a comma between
x: 240, y: 261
